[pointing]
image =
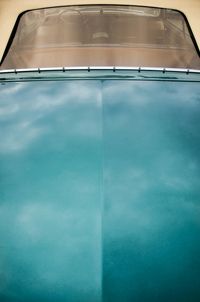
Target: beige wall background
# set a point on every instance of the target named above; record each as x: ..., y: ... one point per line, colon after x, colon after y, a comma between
x: 10, y: 10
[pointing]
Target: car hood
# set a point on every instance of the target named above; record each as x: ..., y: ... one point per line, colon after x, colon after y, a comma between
x: 100, y: 190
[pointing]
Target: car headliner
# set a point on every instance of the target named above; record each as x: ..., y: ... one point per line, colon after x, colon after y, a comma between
x: 11, y: 9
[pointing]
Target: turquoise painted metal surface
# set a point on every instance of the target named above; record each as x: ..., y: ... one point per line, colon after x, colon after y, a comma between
x: 50, y: 192
x: 99, y: 191
x: 151, y: 219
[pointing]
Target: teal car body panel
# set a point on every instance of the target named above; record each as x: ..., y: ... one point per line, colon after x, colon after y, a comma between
x: 100, y: 188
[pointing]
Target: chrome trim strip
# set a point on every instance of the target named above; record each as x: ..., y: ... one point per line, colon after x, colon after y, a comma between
x: 100, y: 68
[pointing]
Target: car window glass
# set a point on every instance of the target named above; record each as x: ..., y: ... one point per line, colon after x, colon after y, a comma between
x: 102, y: 35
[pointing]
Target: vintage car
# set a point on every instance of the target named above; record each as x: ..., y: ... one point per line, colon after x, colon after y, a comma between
x: 100, y: 151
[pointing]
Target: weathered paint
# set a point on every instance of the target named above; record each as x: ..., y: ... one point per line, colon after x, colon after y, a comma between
x: 99, y: 191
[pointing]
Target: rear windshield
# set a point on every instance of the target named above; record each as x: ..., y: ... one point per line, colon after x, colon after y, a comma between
x: 102, y: 35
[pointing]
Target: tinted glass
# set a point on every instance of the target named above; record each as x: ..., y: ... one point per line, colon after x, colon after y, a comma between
x: 102, y: 36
